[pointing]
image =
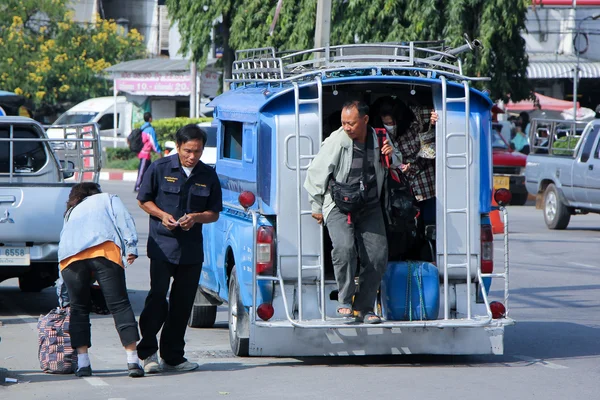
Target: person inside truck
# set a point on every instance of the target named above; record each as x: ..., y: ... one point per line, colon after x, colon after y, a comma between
x: 348, y: 161
x: 520, y: 142
x: 412, y: 131
x: 98, y: 239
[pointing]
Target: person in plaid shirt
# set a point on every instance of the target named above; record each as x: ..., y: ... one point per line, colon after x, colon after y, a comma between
x: 412, y: 130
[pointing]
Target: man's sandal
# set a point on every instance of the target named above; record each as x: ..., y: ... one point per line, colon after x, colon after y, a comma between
x: 344, y: 310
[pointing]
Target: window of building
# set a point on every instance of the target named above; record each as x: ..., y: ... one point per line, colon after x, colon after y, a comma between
x: 232, y: 140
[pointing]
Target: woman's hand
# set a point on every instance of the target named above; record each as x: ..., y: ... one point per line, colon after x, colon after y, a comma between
x: 131, y: 258
x: 434, y: 117
x: 387, y: 148
x: 404, y: 167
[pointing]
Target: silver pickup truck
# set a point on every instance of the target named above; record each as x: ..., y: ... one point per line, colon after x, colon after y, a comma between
x: 35, y: 181
x: 563, y: 169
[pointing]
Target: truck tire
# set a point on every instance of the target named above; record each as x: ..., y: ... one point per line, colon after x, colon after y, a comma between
x: 238, y: 319
x: 202, y: 315
x: 556, y: 214
x: 519, y: 199
x: 40, y: 276
x: 31, y: 283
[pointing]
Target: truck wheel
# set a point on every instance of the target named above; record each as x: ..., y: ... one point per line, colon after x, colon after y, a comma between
x: 31, y: 283
x: 203, y: 315
x: 519, y: 199
x: 238, y: 319
x: 40, y: 276
x: 556, y: 214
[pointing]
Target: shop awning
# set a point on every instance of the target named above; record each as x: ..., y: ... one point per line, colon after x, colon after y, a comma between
x: 562, y: 70
x: 541, y: 103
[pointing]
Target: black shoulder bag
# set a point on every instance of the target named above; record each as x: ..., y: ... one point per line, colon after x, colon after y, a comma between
x: 351, y: 197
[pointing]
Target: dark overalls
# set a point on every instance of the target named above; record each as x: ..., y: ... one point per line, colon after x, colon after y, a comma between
x: 176, y: 254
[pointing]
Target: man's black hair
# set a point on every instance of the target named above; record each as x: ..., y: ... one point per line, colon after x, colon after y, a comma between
x: 190, y: 132
x: 361, y: 106
x: 147, y: 116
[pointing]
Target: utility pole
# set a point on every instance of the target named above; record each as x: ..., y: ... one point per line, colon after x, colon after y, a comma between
x: 323, y: 23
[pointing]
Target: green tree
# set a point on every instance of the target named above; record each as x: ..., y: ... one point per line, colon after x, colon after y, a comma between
x: 50, y: 59
x: 497, y: 23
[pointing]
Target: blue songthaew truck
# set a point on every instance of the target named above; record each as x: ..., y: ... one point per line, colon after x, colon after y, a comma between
x: 269, y: 261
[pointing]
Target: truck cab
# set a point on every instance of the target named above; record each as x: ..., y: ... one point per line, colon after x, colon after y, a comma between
x: 34, y: 186
x: 271, y: 263
x: 562, y: 169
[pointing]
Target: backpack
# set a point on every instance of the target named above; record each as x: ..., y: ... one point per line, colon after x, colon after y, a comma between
x: 399, y: 209
x: 134, y: 140
x: 54, y: 343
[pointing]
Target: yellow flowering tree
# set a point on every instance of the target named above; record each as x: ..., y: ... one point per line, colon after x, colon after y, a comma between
x: 50, y: 59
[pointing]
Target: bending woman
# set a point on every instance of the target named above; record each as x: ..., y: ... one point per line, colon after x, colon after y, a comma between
x: 97, y: 239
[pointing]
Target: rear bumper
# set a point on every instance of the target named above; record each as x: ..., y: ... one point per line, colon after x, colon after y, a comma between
x: 517, y: 184
x: 40, y: 253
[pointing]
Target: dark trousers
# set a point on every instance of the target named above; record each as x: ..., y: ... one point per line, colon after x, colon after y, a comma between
x: 366, y: 234
x: 173, y: 315
x: 111, y: 277
x: 142, y: 168
x: 428, y: 211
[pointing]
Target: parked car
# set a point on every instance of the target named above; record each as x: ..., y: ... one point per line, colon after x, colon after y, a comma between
x: 562, y: 169
x: 508, y: 166
x: 100, y: 110
x: 209, y: 155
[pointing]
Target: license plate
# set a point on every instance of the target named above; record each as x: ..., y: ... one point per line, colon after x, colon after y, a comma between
x: 501, y: 182
x: 14, y: 256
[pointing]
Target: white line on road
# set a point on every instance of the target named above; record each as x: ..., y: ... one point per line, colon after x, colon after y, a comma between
x: 583, y: 265
x: 540, y: 362
x: 95, y: 381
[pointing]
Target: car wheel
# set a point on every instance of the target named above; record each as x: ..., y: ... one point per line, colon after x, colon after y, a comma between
x: 519, y: 199
x: 40, y: 276
x: 556, y: 214
x: 238, y: 319
x: 202, y: 315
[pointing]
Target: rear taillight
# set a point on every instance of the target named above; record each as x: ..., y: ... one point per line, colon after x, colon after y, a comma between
x: 487, y: 249
x: 265, y: 242
x: 265, y: 311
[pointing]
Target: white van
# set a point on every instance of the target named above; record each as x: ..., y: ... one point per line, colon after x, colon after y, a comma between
x: 100, y: 110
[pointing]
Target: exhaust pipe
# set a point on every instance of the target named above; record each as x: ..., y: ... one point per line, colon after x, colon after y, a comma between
x: 469, y: 46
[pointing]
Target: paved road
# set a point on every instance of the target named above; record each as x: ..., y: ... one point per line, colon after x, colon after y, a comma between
x: 553, y: 352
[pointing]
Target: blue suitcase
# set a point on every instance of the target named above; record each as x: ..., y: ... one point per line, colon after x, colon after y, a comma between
x: 414, y: 299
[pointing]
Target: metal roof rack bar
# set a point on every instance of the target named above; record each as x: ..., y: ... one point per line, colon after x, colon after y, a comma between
x: 267, y: 65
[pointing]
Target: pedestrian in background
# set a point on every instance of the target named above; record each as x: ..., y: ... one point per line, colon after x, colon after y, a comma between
x: 98, y: 239
x: 150, y: 144
x: 180, y: 193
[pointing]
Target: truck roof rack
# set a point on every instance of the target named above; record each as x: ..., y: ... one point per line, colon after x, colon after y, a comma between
x: 429, y: 58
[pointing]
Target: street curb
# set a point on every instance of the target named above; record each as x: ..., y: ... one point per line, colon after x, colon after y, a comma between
x: 118, y: 175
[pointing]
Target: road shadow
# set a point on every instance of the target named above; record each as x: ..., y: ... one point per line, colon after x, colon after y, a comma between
x: 17, y: 307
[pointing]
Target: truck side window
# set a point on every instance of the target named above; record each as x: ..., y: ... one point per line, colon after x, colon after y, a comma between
x: 589, y: 144
x: 232, y: 140
x: 27, y: 156
x: 107, y: 121
x: 597, y: 153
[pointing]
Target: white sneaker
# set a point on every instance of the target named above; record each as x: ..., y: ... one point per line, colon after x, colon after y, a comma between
x: 183, y: 367
x: 151, y: 365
